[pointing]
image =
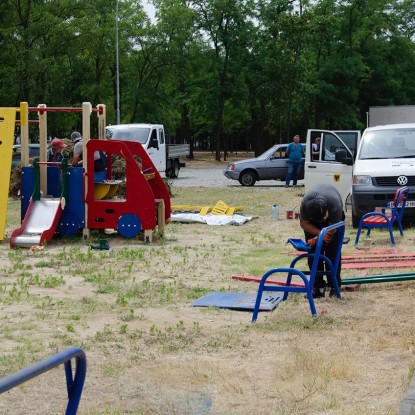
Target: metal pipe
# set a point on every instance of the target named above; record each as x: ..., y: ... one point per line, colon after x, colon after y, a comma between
x: 117, y: 63
x: 378, y: 278
x: 57, y: 109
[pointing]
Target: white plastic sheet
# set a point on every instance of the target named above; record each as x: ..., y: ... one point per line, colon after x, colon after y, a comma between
x: 213, y: 220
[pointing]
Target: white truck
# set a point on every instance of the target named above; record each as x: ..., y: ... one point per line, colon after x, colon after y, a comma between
x: 166, y: 157
x: 367, y: 171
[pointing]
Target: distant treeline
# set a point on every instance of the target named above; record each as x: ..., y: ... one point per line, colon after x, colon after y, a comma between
x: 226, y: 74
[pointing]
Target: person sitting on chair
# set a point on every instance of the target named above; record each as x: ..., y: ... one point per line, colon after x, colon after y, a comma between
x: 322, y: 206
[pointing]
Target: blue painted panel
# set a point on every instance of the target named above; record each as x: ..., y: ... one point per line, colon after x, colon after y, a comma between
x: 26, y: 189
x: 75, y: 205
x: 238, y: 301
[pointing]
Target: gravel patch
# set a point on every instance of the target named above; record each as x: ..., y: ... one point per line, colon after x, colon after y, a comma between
x: 214, y: 177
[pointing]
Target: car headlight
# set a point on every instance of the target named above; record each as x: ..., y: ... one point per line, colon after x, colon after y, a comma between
x: 362, y: 180
x: 231, y: 167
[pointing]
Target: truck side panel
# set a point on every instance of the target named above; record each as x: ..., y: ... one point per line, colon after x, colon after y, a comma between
x: 391, y: 115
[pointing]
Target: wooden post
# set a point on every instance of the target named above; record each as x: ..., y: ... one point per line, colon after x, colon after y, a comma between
x: 160, y: 216
x: 43, y: 138
x: 24, y: 133
x: 101, y: 121
x: 148, y: 235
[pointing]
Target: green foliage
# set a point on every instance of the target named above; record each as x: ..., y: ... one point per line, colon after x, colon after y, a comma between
x: 234, y: 74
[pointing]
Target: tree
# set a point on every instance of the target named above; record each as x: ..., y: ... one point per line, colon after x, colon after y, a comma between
x: 223, y: 24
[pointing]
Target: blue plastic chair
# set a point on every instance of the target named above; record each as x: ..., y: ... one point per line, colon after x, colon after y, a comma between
x: 385, y: 220
x: 308, y: 276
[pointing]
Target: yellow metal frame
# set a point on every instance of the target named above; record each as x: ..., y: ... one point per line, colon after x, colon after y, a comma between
x: 7, y: 125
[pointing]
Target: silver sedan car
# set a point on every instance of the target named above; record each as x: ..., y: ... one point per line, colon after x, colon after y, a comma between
x: 271, y: 165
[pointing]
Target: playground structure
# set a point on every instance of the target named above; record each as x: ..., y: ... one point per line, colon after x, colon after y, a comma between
x: 58, y: 198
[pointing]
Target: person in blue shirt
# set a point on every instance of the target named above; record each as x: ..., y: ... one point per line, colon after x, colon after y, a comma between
x: 295, y: 152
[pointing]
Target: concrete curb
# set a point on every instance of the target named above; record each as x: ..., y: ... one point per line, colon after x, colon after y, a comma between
x: 408, y: 403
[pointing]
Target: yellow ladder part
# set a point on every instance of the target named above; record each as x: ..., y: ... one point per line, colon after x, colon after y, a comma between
x: 232, y: 210
x: 220, y: 208
x: 189, y: 208
x: 205, y: 210
x: 7, y: 124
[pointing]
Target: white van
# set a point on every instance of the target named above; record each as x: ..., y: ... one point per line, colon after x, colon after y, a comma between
x: 366, y: 178
x: 385, y: 161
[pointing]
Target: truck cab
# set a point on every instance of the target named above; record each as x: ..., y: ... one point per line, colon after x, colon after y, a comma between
x: 333, y: 163
x: 150, y: 136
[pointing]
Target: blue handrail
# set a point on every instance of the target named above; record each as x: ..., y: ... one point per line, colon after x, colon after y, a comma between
x: 74, y: 384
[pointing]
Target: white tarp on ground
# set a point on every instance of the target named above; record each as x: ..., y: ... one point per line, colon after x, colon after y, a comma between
x: 210, y: 219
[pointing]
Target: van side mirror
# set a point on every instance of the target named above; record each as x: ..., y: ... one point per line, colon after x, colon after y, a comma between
x: 342, y: 156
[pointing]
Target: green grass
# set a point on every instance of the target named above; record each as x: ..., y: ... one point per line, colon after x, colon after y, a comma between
x: 131, y: 305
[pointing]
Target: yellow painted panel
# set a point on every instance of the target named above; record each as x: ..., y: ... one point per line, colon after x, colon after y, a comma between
x: 101, y: 190
x: 7, y: 124
x: 112, y: 191
x: 23, y: 114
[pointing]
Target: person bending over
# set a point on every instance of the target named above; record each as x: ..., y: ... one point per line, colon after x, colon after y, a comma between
x: 322, y: 206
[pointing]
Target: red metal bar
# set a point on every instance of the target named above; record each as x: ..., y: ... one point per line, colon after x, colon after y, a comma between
x: 50, y: 162
x: 378, y: 264
x: 60, y: 109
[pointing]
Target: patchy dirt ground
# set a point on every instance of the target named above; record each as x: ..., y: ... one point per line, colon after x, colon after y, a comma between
x: 150, y: 352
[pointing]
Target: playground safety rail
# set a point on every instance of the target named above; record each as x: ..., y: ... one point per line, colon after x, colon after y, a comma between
x: 74, y: 384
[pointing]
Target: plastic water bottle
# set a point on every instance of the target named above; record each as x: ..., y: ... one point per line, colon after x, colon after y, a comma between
x: 275, y: 212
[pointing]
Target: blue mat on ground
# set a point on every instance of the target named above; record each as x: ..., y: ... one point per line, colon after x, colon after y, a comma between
x: 238, y: 301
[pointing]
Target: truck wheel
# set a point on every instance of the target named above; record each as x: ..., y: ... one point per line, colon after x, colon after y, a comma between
x: 247, y: 178
x: 173, y: 173
x: 355, y: 221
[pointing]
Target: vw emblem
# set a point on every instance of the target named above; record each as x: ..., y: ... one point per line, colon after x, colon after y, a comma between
x: 402, y: 180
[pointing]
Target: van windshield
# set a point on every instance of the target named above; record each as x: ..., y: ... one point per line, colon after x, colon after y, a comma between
x: 128, y: 133
x: 388, y: 144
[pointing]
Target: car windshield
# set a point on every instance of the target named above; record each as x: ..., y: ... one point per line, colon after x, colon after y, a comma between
x: 128, y: 133
x: 270, y: 152
x: 388, y: 144
x: 34, y: 151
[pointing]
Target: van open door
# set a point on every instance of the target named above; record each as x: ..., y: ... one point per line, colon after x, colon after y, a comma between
x: 333, y: 163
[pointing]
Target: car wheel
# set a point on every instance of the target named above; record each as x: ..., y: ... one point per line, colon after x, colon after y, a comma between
x: 247, y: 178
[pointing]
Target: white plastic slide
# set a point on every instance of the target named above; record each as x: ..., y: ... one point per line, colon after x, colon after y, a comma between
x: 39, y: 224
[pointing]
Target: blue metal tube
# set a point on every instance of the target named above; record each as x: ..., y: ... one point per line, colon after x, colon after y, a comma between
x: 74, y: 386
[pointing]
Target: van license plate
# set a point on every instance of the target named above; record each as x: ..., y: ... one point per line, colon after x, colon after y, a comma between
x: 408, y: 204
